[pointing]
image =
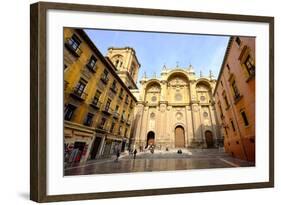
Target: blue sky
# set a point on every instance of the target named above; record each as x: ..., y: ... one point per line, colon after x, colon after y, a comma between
x: 203, y: 52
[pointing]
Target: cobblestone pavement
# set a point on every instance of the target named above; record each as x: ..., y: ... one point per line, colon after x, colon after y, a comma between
x: 160, y: 161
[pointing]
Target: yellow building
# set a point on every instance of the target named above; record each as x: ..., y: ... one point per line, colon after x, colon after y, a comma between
x: 98, y: 104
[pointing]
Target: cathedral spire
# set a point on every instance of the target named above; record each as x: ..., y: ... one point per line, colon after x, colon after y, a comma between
x: 211, y: 74
x: 144, y: 75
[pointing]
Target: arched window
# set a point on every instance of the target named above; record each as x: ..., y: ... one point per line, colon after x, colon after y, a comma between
x: 132, y: 70
x: 153, y: 91
x: 116, y: 63
x: 204, y: 91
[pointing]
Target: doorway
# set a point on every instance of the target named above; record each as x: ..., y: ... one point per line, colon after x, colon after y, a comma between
x: 209, y: 139
x: 79, y: 146
x: 95, y: 147
x: 150, y: 139
x: 179, y: 137
x: 123, y: 145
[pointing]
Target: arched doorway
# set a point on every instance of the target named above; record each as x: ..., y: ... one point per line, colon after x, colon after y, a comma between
x: 150, y: 139
x: 209, y: 139
x: 179, y: 137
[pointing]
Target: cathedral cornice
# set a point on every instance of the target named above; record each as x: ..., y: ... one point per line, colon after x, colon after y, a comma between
x: 141, y: 102
x: 163, y: 102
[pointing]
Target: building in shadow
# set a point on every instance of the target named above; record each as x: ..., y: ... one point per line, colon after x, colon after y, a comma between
x: 235, y: 98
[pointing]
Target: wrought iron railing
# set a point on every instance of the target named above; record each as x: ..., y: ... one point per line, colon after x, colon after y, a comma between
x: 78, y: 94
x: 116, y: 114
x: 73, y: 47
x: 96, y: 104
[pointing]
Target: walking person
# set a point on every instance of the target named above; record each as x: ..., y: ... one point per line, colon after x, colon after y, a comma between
x: 117, y: 155
x: 135, y: 153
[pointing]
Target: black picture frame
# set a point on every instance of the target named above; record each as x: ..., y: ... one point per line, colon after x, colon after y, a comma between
x: 38, y: 102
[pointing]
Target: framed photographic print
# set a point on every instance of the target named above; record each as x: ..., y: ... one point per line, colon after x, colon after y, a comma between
x: 136, y: 102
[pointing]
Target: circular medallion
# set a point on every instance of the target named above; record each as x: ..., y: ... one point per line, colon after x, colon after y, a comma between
x: 179, y: 115
x: 152, y: 115
x: 205, y: 114
x: 202, y: 98
x: 153, y: 98
x: 178, y: 97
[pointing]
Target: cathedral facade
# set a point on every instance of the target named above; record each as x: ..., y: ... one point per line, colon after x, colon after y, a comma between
x: 175, y: 110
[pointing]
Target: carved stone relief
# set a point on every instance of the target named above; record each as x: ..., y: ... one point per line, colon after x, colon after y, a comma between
x: 178, y: 97
x: 179, y: 115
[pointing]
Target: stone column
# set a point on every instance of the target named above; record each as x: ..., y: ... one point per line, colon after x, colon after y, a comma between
x: 197, y: 139
x: 143, y: 127
x: 214, y: 122
x: 189, y: 126
x: 197, y: 132
x: 101, y: 146
x: 202, y: 139
x: 162, y: 125
x: 139, y: 117
x: 89, y: 147
x: 169, y: 135
x: 163, y: 90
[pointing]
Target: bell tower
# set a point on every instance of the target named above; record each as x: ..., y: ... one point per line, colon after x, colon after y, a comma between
x: 126, y: 63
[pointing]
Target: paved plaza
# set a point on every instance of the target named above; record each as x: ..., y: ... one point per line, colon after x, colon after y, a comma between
x: 159, y: 161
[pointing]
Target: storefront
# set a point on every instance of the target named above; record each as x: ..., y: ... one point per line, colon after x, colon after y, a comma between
x: 110, y: 146
x: 76, y: 144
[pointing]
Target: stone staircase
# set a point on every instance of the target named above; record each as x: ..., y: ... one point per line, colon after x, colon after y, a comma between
x: 173, y: 154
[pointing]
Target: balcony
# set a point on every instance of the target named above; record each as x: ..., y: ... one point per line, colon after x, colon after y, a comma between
x: 121, y: 96
x: 73, y: 47
x: 107, y: 110
x: 101, y: 127
x: 123, y: 119
x: 252, y: 71
x: 128, y: 122
x: 113, y: 89
x: 116, y: 114
x: 227, y: 107
x: 95, y: 104
x: 91, y: 68
x: 65, y: 85
x: 237, y: 97
x: 104, y: 79
x: 78, y: 94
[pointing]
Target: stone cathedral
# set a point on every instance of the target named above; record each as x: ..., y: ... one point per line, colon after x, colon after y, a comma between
x: 175, y: 110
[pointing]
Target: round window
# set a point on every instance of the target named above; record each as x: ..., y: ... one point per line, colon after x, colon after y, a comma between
x: 153, y: 98
x: 178, y: 97
x: 152, y: 115
x: 205, y: 114
x: 179, y: 116
x: 202, y: 98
